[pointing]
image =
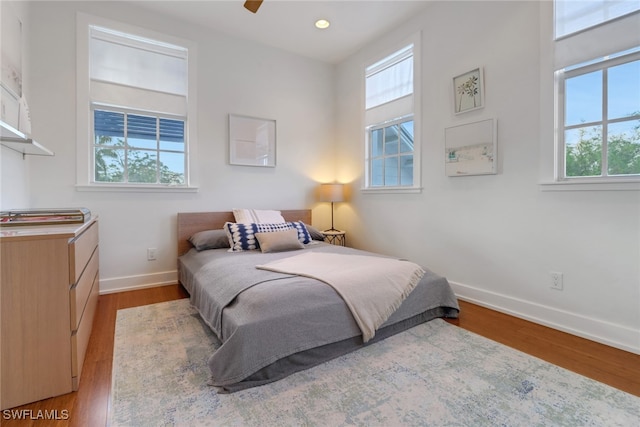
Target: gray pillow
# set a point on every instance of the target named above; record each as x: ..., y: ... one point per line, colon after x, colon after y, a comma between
x: 209, y: 239
x: 314, y: 233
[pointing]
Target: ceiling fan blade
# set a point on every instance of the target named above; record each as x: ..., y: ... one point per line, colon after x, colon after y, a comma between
x: 252, y: 5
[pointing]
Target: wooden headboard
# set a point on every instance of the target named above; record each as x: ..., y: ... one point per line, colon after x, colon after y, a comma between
x: 192, y: 222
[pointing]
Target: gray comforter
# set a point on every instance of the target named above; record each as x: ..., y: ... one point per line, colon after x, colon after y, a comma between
x: 273, y: 324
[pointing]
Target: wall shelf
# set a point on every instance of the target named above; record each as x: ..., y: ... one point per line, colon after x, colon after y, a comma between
x: 15, y: 140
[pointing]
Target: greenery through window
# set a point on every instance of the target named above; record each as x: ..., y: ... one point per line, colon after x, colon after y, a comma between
x: 138, y: 149
x: 137, y: 109
x: 600, y: 115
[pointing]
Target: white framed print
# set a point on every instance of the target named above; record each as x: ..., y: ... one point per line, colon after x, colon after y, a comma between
x: 468, y: 91
x: 11, y: 53
x: 252, y: 141
x: 472, y: 148
x: 10, y: 67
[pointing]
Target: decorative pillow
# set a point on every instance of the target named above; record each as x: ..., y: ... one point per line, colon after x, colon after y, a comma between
x: 279, y: 241
x: 209, y: 239
x: 254, y: 216
x: 315, y: 233
x: 303, y: 233
x: 242, y: 236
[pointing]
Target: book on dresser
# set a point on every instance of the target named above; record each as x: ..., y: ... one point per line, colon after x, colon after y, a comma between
x: 28, y: 217
x: 49, y: 293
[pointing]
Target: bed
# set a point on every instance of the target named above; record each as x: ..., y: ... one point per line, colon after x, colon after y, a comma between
x: 272, y: 324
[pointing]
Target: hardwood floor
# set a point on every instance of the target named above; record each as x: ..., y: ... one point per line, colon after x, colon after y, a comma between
x: 89, y: 405
x: 618, y: 368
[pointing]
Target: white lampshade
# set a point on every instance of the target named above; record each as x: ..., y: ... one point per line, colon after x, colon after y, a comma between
x: 331, y: 192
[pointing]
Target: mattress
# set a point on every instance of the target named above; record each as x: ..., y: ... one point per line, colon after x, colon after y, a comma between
x: 272, y: 324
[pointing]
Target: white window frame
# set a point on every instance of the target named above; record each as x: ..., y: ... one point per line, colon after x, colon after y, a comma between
x: 127, y: 146
x: 617, y: 35
x: 384, y: 121
x: 397, y: 156
x: 84, y: 111
x: 561, y: 76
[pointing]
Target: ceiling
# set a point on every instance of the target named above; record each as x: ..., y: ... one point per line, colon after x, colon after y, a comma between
x: 289, y: 24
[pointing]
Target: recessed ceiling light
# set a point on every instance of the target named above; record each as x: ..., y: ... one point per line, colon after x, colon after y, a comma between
x: 322, y: 24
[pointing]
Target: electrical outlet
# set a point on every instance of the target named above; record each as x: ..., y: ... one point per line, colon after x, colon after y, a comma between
x: 151, y: 254
x: 556, y: 280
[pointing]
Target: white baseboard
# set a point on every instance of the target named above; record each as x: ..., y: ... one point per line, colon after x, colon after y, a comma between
x: 593, y: 329
x: 142, y: 281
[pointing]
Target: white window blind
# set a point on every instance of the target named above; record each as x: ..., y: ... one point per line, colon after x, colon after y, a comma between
x: 138, y: 62
x: 572, y: 16
x: 390, y: 78
x: 389, y: 87
x: 597, y: 41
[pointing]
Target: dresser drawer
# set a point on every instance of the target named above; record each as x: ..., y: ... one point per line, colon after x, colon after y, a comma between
x: 80, y: 339
x: 80, y: 251
x: 80, y: 292
x: 50, y: 286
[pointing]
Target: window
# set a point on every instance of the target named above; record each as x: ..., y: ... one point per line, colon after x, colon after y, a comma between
x: 133, y: 148
x: 390, y: 125
x: 597, y: 109
x: 133, y: 106
x: 601, y: 118
x: 392, y: 154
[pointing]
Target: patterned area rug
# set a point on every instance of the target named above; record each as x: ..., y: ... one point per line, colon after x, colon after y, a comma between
x: 435, y: 374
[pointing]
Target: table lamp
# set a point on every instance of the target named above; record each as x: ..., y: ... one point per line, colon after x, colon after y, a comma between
x: 332, y: 193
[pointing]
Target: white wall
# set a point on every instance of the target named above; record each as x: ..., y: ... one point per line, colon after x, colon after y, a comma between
x: 14, y: 179
x: 497, y: 237
x: 234, y: 76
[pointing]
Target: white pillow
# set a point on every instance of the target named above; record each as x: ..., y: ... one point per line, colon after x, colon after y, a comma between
x: 254, y: 216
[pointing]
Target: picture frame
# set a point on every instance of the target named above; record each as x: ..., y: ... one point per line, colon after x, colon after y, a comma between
x: 10, y: 68
x: 11, y: 53
x: 252, y: 141
x: 472, y: 148
x: 468, y: 91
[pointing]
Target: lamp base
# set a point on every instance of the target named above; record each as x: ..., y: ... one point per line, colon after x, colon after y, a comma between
x: 331, y: 230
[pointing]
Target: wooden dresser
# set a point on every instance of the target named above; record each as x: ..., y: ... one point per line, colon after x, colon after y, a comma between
x: 48, y: 297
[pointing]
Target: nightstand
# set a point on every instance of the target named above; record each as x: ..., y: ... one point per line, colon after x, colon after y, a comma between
x: 335, y: 237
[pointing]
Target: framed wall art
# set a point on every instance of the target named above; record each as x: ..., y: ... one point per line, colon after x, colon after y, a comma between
x: 10, y: 67
x: 468, y: 91
x: 252, y: 141
x: 472, y: 148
